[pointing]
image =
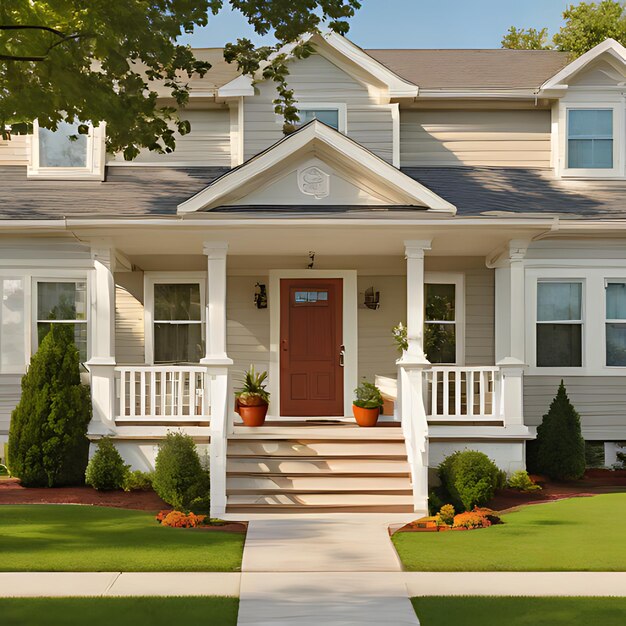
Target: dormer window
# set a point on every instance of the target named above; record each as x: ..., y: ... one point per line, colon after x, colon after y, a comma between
x: 333, y: 115
x: 590, y: 138
x: 66, y: 154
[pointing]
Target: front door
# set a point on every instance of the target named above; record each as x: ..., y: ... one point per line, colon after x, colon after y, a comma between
x: 311, y: 337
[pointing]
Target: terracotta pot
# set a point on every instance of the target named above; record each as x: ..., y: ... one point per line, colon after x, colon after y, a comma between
x: 365, y: 417
x: 253, y: 415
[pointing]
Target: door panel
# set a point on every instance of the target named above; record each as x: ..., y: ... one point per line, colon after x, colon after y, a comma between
x: 311, y: 377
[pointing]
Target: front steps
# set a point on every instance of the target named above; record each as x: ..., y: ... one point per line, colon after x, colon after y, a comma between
x: 317, y: 468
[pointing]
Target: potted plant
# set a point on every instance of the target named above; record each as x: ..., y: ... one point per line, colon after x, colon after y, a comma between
x: 366, y: 407
x: 252, y: 400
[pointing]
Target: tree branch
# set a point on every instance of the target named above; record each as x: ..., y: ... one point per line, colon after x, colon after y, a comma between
x: 54, y: 31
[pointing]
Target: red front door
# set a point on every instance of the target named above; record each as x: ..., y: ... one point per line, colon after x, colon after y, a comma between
x: 311, y: 374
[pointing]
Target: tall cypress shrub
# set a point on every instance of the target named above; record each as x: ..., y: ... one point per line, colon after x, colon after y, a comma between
x: 560, y: 447
x: 48, y: 445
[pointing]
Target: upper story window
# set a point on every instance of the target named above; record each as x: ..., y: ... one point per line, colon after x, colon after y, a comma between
x: 65, y: 153
x: 333, y: 115
x: 590, y: 139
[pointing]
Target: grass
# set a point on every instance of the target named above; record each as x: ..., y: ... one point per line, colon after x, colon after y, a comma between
x: 579, y: 534
x: 492, y: 611
x: 58, y: 538
x: 208, y: 611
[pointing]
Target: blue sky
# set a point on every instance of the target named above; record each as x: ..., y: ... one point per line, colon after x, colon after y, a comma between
x: 414, y: 23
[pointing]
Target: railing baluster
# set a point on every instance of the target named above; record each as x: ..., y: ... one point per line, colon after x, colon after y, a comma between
x: 446, y: 393
x: 434, y: 376
x: 142, y: 392
x: 469, y: 388
x: 192, y: 394
x: 131, y: 401
x: 482, y: 392
x: 457, y: 392
x: 123, y: 393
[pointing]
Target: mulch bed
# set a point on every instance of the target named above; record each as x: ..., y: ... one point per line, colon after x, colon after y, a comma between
x: 11, y: 492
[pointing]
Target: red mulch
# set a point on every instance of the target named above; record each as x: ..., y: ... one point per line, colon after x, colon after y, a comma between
x: 594, y: 482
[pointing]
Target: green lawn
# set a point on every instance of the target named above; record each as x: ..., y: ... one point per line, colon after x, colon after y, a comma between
x: 579, y: 534
x: 207, y: 611
x: 487, y: 611
x: 48, y: 537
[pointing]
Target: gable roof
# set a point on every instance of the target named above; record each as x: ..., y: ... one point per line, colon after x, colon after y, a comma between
x: 324, y: 142
x: 479, y: 69
x: 608, y: 47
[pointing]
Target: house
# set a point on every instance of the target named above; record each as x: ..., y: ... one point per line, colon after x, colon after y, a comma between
x: 478, y: 196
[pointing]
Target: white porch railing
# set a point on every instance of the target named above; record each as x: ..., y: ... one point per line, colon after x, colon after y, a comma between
x: 463, y: 393
x: 162, y: 393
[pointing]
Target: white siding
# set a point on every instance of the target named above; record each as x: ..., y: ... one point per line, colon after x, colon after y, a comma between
x: 480, y: 317
x: 491, y: 138
x: 600, y: 401
x: 10, y: 392
x: 129, y: 328
x: 45, y: 249
x: 14, y: 151
x: 317, y: 80
x: 208, y: 143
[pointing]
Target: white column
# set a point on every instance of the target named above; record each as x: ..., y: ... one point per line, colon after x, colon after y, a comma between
x: 215, y: 341
x: 414, y: 251
x: 101, y: 363
x: 511, y: 330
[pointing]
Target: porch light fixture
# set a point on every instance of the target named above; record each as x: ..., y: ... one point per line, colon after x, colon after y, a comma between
x: 371, y: 299
x: 260, y: 296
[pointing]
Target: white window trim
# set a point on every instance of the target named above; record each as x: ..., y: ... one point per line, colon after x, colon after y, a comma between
x: 617, y: 170
x: 340, y: 107
x: 151, y: 279
x: 458, y: 280
x: 94, y: 169
x: 606, y: 320
x: 34, y: 297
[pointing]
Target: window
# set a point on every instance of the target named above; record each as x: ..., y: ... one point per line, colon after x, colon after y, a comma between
x: 329, y: 117
x: 63, y: 303
x: 440, y: 332
x: 66, y: 154
x: 177, y: 323
x: 616, y: 324
x: 590, y: 138
x: 559, y: 324
x: 311, y: 296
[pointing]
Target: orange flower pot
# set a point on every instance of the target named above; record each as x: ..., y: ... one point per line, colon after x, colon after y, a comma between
x: 365, y: 417
x: 253, y: 415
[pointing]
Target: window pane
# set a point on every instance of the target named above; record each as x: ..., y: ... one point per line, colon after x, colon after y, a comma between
x: 177, y: 302
x: 440, y: 343
x: 328, y: 116
x: 616, y: 344
x: 616, y: 301
x: 80, y: 336
x: 590, y: 153
x: 178, y: 343
x: 590, y: 123
x: 61, y: 301
x: 440, y: 302
x: 559, y: 345
x: 56, y: 149
x: 559, y: 301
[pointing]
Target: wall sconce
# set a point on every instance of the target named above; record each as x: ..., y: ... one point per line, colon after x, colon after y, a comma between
x: 260, y: 296
x: 371, y: 299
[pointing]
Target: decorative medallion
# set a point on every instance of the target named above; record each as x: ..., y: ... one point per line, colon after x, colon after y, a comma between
x: 313, y: 181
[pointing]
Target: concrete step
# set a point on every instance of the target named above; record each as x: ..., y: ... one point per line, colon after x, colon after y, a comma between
x: 304, y: 448
x: 318, y: 483
x: 334, y: 465
x: 321, y: 500
x: 294, y: 509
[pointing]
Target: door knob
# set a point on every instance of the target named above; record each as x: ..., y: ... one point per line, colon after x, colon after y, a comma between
x: 342, y: 354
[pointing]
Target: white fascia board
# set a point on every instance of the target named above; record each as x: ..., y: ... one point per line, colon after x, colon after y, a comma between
x: 284, y: 149
x: 240, y: 86
x: 610, y: 46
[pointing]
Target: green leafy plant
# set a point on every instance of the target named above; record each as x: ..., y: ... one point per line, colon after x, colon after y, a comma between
x: 399, y: 334
x: 253, y: 391
x: 179, y: 478
x: 446, y: 514
x: 470, y: 478
x: 368, y: 396
x: 106, y: 470
x: 48, y: 445
x: 560, y: 448
x: 4, y: 470
x: 521, y: 481
x: 138, y: 481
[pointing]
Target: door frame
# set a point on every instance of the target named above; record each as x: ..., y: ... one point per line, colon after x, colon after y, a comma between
x: 350, y: 331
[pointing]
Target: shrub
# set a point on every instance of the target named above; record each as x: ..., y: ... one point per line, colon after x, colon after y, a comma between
x: 470, y: 477
x: 521, y: 480
x: 178, y: 519
x: 4, y: 470
x: 470, y: 520
x: 446, y: 514
x: 106, y: 470
x: 594, y: 454
x: 560, y: 445
x: 179, y: 478
x: 137, y: 481
x: 48, y: 445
